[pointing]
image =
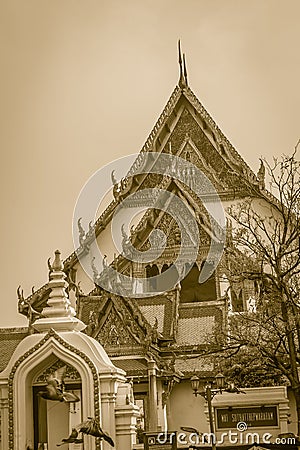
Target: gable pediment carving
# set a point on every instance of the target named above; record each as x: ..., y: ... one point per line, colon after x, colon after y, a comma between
x: 113, y: 320
x: 117, y: 331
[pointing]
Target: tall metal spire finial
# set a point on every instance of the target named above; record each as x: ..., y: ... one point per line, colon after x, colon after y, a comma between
x: 185, y: 71
x: 181, y: 77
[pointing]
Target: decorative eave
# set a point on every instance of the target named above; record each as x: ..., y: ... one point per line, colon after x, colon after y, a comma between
x: 37, y: 297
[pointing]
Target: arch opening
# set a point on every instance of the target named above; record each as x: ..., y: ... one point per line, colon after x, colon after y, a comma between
x: 193, y: 291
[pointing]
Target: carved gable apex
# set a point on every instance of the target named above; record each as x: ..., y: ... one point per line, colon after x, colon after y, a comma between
x: 171, y: 230
x: 169, y: 242
x: 114, y: 320
x: 191, y: 140
x: 115, y: 331
x: 191, y: 153
x: 161, y: 219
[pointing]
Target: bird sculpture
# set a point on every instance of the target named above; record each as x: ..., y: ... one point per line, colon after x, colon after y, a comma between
x: 91, y: 427
x: 55, y: 389
x: 72, y: 439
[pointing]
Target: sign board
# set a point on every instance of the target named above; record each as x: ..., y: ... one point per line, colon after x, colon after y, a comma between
x: 160, y: 440
x: 255, y: 417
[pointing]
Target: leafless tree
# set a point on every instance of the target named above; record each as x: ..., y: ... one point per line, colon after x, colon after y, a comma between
x: 267, y: 248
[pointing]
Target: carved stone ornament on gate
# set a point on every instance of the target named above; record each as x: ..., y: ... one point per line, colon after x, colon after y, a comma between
x: 71, y: 372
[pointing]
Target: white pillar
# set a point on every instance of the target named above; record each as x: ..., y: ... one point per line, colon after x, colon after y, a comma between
x: 126, y: 413
x: 153, y: 414
x: 125, y: 416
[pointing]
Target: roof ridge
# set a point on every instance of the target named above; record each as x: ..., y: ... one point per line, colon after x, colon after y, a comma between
x: 147, y: 145
x: 165, y: 112
x: 149, y: 141
x: 103, y: 216
x: 43, y: 288
x: 13, y: 330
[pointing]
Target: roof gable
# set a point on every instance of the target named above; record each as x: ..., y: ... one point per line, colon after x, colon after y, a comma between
x: 184, y: 128
x: 183, y: 118
x: 114, y: 320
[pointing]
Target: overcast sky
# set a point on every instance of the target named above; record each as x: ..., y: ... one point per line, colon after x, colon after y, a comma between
x: 83, y: 82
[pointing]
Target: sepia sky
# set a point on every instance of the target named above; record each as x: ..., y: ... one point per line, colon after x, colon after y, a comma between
x: 83, y: 82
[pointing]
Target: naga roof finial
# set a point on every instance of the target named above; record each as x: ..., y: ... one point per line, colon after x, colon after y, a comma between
x: 181, y: 82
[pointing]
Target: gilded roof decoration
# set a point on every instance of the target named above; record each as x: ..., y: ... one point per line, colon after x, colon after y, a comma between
x: 114, y: 333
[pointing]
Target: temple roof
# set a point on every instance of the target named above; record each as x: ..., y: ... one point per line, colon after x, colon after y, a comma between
x: 9, y: 340
x: 161, y: 134
x: 218, y: 158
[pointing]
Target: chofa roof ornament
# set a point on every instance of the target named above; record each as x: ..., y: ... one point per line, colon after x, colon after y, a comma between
x: 183, y: 82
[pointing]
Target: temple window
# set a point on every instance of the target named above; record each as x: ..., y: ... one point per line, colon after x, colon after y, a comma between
x: 193, y: 291
x: 152, y: 271
x: 165, y: 282
x: 168, y: 278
